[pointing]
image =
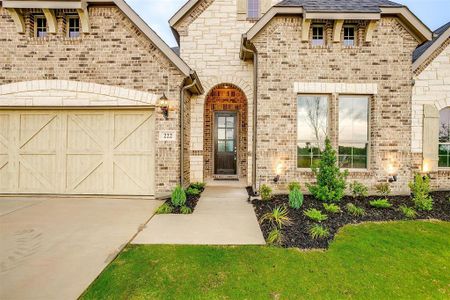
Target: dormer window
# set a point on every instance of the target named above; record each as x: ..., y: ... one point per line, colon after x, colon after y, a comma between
x: 318, y: 38
x: 40, y: 26
x: 349, y: 36
x: 73, y: 26
x: 253, y: 9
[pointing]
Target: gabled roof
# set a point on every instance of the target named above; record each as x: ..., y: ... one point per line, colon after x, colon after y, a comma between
x: 340, y: 5
x: 138, y: 22
x: 343, y: 10
x: 182, y: 11
x: 422, y: 52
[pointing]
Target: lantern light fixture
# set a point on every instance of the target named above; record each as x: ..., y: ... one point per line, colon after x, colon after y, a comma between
x: 164, y: 106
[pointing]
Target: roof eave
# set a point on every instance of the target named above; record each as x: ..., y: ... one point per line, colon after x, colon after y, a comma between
x: 438, y: 43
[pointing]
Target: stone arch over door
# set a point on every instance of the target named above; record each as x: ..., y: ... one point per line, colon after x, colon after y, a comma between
x: 225, y: 98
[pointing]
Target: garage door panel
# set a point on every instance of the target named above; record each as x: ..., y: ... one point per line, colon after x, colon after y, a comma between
x: 87, y: 132
x: 77, y: 152
x: 39, y: 132
x: 133, y: 131
x: 38, y: 173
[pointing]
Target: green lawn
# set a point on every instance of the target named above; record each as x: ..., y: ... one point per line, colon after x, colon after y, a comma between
x: 401, y: 260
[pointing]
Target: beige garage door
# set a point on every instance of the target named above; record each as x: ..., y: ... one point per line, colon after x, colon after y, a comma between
x: 77, y: 152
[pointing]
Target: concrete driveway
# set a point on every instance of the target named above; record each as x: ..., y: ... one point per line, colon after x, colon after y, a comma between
x: 53, y: 248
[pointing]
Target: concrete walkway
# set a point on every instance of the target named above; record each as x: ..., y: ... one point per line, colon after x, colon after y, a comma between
x: 222, y: 217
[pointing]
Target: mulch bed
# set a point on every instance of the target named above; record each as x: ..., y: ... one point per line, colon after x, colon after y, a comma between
x: 297, y: 235
x: 191, y: 202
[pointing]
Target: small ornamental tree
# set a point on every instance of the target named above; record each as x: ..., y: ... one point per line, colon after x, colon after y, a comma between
x: 331, y: 182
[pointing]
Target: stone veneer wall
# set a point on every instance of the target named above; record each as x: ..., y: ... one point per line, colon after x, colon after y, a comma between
x: 432, y: 86
x: 210, y: 37
x: 285, y: 59
x: 114, y: 53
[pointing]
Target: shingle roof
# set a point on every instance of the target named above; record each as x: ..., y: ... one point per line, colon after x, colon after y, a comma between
x: 340, y: 5
x: 424, y: 47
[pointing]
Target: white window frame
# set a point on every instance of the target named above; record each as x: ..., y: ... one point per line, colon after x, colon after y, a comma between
x: 445, y: 143
x: 368, y: 97
x: 298, y: 141
x: 346, y: 39
x: 318, y: 42
x: 73, y: 17
x: 37, y: 27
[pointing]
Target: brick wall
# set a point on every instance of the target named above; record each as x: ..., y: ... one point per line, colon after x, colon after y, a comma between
x: 114, y: 53
x: 386, y: 62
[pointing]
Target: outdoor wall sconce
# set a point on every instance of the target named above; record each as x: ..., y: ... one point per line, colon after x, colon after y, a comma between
x: 164, y: 106
x: 278, y: 171
x: 392, y: 174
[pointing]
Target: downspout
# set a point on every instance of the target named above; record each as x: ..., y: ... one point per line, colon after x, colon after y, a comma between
x: 255, y: 111
x: 183, y: 90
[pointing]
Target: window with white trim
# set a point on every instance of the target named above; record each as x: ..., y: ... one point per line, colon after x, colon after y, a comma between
x: 73, y: 26
x: 318, y: 37
x: 444, y: 138
x: 353, y: 132
x: 40, y: 26
x: 312, y: 129
x: 253, y: 9
x: 349, y: 35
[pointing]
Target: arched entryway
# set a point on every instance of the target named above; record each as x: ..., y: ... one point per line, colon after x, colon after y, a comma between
x: 225, y: 133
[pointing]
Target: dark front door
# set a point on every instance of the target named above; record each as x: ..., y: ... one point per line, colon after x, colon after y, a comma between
x: 225, y: 143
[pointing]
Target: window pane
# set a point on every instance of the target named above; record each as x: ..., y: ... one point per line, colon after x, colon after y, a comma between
x: 221, y: 121
x: 304, y: 162
x: 230, y: 122
x: 353, y: 156
x: 230, y: 134
x: 312, y: 113
x: 221, y: 134
x: 221, y: 146
x: 444, y: 156
x: 353, y: 118
x: 253, y: 9
x: 444, y: 128
x: 359, y: 162
x: 230, y: 146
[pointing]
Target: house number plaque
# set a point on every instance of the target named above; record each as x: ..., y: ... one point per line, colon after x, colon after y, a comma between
x: 168, y: 136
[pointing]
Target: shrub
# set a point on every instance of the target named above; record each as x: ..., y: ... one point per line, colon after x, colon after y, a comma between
x: 192, y: 191
x: 265, y: 192
x: 408, y: 212
x: 294, y: 185
x: 420, y: 188
x: 277, y: 217
x: 178, y: 197
x: 331, y: 182
x: 331, y: 208
x: 198, y: 185
x: 275, y: 237
x: 380, y: 203
x: 295, y: 198
x: 164, y: 209
x: 315, y: 215
x: 383, y: 189
x: 185, y: 210
x: 358, y: 189
x: 355, y: 210
x: 318, y: 232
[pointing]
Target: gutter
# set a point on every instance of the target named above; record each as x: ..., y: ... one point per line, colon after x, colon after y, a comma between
x: 195, y: 84
x: 253, y: 53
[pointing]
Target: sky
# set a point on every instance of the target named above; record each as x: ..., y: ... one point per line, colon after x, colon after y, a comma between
x: 434, y: 13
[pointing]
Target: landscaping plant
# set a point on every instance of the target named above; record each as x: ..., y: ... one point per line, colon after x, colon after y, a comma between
x: 164, y: 209
x: 318, y: 232
x: 315, y: 215
x: 420, y: 188
x: 355, y: 210
x: 191, y: 191
x: 331, y: 208
x: 358, y: 189
x: 383, y: 189
x: 198, y: 185
x: 185, y: 210
x: 293, y: 185
x: 178, y: 198
x: 266, y: 192
x: 275, y: 237
x: 295, y: 198
x: 380, y: 203
x: 408, y: 212
x: 278, y: 217
x: 331, y: 182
